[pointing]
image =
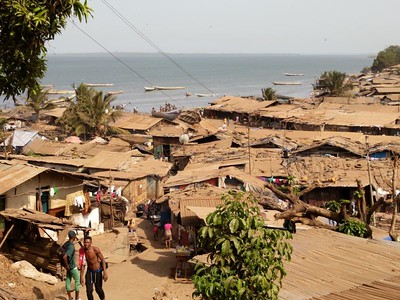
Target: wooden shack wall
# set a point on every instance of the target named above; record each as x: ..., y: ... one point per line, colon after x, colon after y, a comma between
x: 136, y: 190
x: 24, y: 195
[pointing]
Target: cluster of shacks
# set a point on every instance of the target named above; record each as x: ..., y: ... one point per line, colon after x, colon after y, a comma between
x: 184, y: 166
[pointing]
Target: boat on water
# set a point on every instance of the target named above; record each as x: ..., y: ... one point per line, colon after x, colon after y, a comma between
x: 293, y: 74
x: 115, y: 92
x: 98, y: 84
x: 167, y: 115
x: 162, y: 88
x: 206, y: 95
x: 286, y: 83
x: 55, y: 92
x: 168, y: 88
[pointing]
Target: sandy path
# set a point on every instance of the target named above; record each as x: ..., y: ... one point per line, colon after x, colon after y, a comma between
x: 140, y: 276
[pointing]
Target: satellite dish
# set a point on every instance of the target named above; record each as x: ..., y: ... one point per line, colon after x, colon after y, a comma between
x: 184, y: 139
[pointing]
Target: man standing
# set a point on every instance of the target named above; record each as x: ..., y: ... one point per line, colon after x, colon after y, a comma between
x: 96, y: 269
x: 70, y: 265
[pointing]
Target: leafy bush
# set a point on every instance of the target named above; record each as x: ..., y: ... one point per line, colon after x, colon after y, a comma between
x: 390, y: 56
x: 353, y: 227
x: 246, y: 258
x: 268, y: 94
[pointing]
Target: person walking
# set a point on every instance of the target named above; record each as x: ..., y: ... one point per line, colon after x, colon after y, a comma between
x: 168, y: 235
x: 96, y: 270
x: 70, y: 266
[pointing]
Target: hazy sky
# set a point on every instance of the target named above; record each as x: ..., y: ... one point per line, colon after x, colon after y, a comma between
x: 235, y: 26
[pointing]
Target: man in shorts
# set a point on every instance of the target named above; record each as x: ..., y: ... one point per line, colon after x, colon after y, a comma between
x: 96, y: 270
x: 70, y: 266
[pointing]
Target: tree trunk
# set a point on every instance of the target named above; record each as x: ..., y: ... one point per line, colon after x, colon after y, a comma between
x: 362, y: 203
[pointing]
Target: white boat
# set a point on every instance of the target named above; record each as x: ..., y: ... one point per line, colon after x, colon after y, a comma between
x: 98, y: 84
x: 167, y: 88
x: 53, y: 91
x: 115, y: 92
x: 286, y: 82
x: 149, y: 88
x: 206, y: 95
x: 293, y: 74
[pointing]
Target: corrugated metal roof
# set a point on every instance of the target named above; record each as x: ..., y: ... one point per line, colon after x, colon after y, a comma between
x: 238, y: 104
x: 140, y: 122
x: 21, y: 137
x: 107, y: 160
x: 326, y: 263
x: 13, y: 174
x: 139, y: 170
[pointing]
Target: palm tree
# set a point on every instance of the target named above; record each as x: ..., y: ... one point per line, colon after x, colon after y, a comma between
x: 268, y: 93
x: 92, y: 112
x: 38, y: 101
x: 333, y: 82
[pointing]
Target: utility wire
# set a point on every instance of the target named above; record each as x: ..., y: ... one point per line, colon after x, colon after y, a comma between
x: 122, y: 62
x: 151, y: 43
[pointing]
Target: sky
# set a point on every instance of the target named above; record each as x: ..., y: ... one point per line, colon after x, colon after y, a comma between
x: 237, y: 26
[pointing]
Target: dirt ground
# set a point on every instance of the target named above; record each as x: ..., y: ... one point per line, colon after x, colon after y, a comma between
x: 141, y: 275
x: 12, y: 285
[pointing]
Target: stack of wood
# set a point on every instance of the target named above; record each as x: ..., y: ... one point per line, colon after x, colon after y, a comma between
x: 42, y: 254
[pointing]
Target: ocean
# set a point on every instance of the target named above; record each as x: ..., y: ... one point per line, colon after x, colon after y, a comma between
x: 223, y: 74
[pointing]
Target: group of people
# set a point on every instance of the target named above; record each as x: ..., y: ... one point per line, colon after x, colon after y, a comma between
x: 90, y: 259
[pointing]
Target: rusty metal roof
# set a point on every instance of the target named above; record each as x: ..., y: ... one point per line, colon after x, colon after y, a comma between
x: 13, y: 174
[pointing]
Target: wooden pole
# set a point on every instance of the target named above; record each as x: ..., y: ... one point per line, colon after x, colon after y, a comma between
x: 248, y: 144
x: 7, y: 234
x: 111, y: 203
x: 369, y: 179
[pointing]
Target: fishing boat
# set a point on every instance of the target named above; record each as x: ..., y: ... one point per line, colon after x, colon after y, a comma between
x: 206, y: 95
x: 168, y: 88
x: 98, y: 84
x: 115, y: 92
x: 293, y: 74
x: 149, y: 88
x: 167, y: 115
x: 286, y: 83
x: 55, y: 92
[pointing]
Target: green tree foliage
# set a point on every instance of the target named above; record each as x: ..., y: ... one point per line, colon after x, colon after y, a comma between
x: 25, y: 27
x: 38, y: 101
x: 268, y: 94
x: 353, y: 227
x: 390, y: 56
x: 333, y: 82
x: 246, y: 258
x: 91, y: 113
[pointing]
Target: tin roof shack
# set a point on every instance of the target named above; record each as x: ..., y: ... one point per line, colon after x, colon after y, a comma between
x: 20, y: 138
x: 35, y: 237
x: 26, y: 186
x: 227, y: 178
x: 231, y: 107
x: 140, y: 181
x: 137, y: 123
x: 335, y: 146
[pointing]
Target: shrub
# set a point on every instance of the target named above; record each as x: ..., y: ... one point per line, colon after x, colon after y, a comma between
x: 246, y: 258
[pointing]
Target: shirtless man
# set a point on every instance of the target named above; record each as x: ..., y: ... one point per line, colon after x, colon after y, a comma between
x: 96, y: 270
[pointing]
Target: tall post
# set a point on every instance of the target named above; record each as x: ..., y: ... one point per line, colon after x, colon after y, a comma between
x: 369, y: 179
x: 248, y: 145
x: 111, y: 202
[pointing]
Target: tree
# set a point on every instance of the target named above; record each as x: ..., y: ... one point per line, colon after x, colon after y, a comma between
x: 91, y: 113
x: 25, y: 27
x: 388, y: 57
x: 246, y: 258
x: 38, y: 101
x: 333, y: 82
x: 268, y: 94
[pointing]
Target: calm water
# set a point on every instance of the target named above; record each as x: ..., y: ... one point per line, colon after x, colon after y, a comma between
x: 224, y: 74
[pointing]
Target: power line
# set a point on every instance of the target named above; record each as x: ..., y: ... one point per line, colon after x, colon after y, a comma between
x: 122, y: 62
x: 151, y: 43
